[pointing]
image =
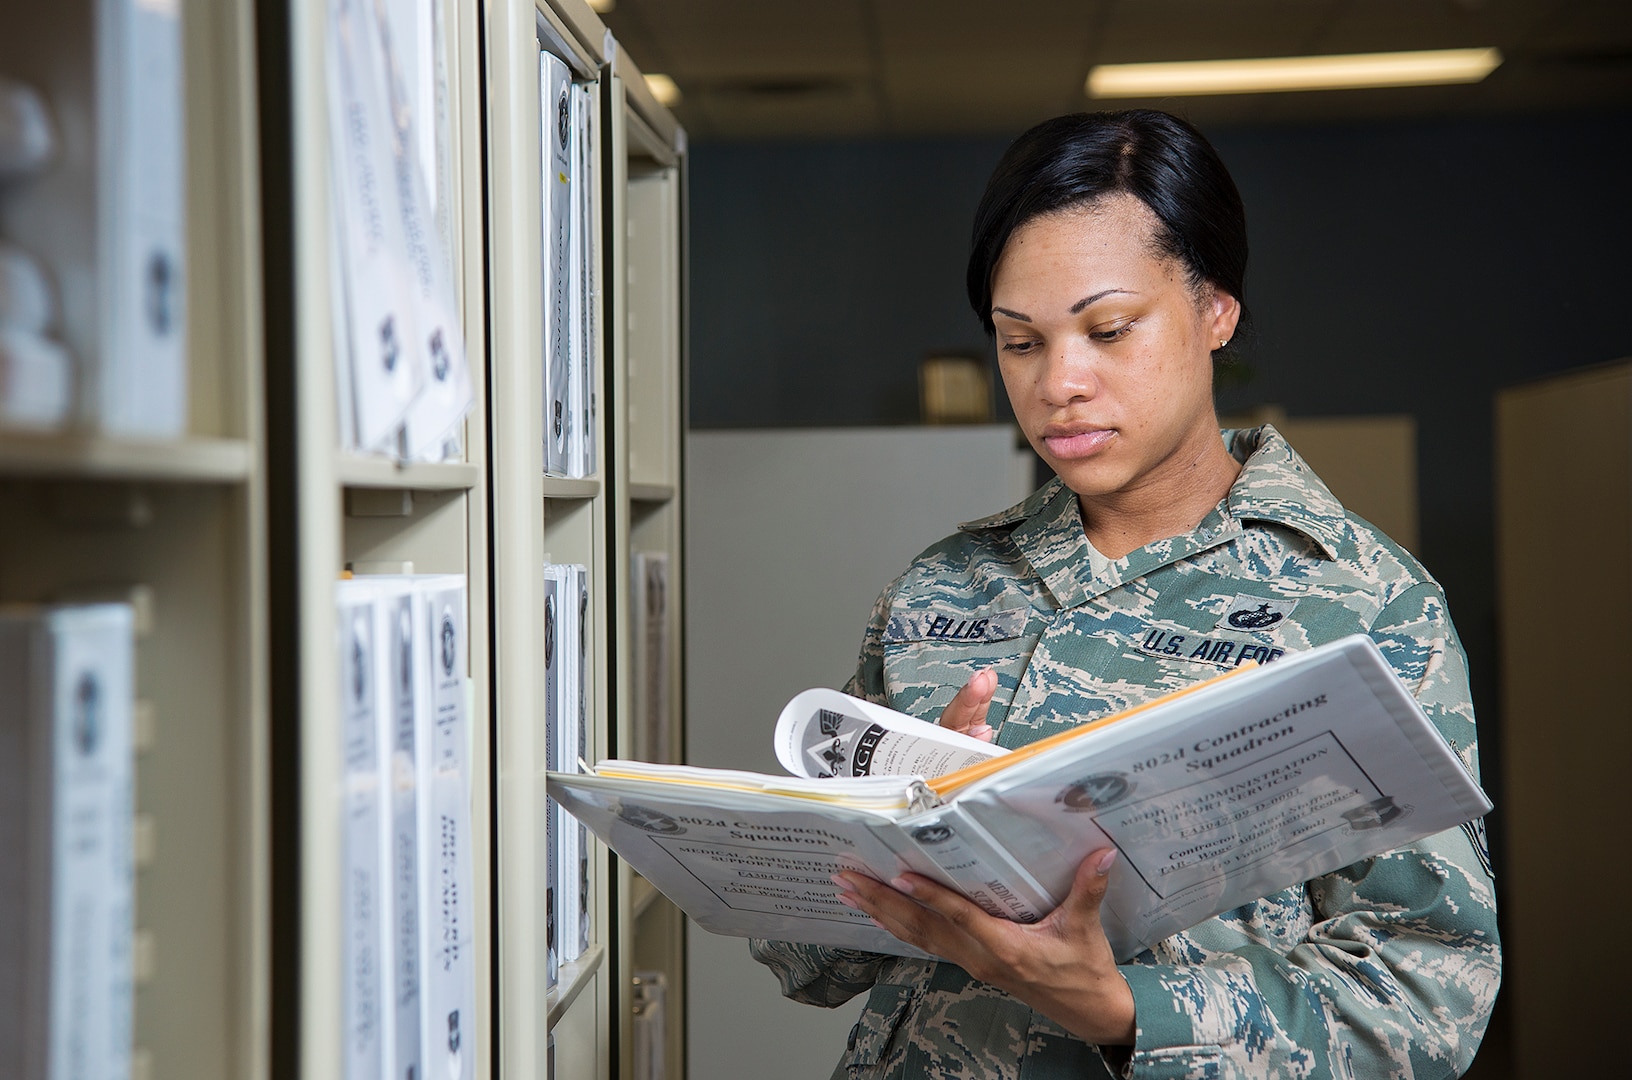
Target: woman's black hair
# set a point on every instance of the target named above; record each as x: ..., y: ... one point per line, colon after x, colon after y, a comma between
x: 1160, y: 160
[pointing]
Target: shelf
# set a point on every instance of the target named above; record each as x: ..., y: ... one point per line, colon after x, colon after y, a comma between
x: 572, y: 979
x: 651, y: 493
x: 85, y: 457
x: 361, y: 471
x: 564, y: 487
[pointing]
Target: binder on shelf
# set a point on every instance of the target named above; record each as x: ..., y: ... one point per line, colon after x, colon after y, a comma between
x: 568, y: 718
x: 649, y: 603
x: 405, y: 48
x: 589, y: 141
x: 582, y: 245
x: 364, y: 917
x: 385, y: 372
x: 581, y: 725
x: 409, y: 378
x: 566, y: 591
x: 141, y: 370
x: 553, y: 814
x: 447, y: 898
x: 556, y: 169
x: 398, y: 656
x: 66, y: 822
x: 410, y: 965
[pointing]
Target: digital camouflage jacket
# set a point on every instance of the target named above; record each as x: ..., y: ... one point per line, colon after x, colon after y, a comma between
x: 1386, y: 968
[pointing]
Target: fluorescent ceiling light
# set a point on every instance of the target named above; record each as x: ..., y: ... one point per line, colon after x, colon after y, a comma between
x: 601, y: 7
x: 663, y: 89
x: 1292, y: 73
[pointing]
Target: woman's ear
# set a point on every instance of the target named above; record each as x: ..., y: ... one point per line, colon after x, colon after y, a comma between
x: 1226, y: 312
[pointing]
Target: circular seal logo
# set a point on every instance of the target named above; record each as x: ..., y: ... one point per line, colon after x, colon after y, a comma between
x: 359, y: 663
x: 405, y: 650
x: 450, y: 642
x: 932, y: 834
x: 563, y: 119
x: 1097, y: 792
x: 652, y: 821
x: 87, y: 714
x: 1375, y: 814
x: 549, y: 632
x: 440, y: 362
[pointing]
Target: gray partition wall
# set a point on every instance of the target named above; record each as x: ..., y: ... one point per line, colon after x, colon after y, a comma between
x: 790, y: 535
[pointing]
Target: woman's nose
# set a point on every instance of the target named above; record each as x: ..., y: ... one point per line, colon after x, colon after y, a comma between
x: 1068, y: 373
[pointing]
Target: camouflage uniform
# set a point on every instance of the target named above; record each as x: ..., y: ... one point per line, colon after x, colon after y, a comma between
x: 1386, y: 968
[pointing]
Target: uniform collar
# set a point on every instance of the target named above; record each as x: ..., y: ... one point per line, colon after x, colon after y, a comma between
x: 1275, y: 485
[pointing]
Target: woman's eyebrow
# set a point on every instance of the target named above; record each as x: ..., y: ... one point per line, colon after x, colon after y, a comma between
x: 1077, y: 308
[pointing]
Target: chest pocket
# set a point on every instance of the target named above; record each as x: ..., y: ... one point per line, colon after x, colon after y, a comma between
x: 930, y: 653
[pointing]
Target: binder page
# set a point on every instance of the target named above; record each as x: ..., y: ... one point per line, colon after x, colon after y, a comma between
x: 825, y: 733
x: 740, y: 862
x: 1228, y: 795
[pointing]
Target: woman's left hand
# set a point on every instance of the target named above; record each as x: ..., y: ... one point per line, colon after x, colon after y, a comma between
x: 1061, y: 966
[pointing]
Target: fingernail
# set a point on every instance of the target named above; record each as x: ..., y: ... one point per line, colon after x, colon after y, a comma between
x: 839, y: 881
x: 901, y: 884
x: 1105, y: 861
x: 846, y: 900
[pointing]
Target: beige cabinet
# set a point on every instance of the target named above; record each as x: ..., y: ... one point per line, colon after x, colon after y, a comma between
x: 1564, y: 577
x: 229, y: 537
x: 628, y: 506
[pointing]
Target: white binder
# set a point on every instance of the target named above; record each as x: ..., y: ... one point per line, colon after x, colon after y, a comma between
x: 66, y: 819
x: 555, y: 105
x: 140, y: 383
x: 365, y: 896
x: 447, y: 995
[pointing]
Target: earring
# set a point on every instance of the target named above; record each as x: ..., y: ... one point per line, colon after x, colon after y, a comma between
x: 1223, y: 342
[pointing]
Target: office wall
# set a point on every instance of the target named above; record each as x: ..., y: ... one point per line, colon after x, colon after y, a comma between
x: 790, y: 536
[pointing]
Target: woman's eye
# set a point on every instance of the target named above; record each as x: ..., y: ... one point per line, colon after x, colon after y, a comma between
x: 1020, y: 348
x: 1115, y: 333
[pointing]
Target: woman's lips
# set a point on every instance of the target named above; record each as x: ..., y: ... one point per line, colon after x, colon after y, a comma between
x: 1078, y: 444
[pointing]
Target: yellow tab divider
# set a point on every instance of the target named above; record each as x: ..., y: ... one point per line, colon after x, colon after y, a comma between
x: 952, y: 781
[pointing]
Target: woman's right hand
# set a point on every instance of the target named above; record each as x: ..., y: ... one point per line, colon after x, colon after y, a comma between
x: 966, y: 713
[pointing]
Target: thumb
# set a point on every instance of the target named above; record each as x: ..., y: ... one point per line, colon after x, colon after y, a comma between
x: 967, y: 711
x: 1088, y: 887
